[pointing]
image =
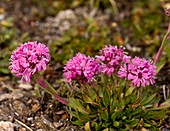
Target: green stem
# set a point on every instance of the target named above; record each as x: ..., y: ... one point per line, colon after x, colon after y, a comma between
x: 113, y: 3
x: 163, y: 44
x: 48, y: 88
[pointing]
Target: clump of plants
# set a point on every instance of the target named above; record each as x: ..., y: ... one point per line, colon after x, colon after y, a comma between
x: 111, y: 91
x: 114, y: 92
x: 110, y: 88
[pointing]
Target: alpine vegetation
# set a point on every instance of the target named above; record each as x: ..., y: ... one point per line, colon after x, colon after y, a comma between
x: 110, y: 91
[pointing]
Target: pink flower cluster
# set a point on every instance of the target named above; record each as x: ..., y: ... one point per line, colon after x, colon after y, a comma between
x: 81, y: 68
x: 28, y: 59
x: 111, y: 58
x: 33, y: 57
x: 140, y: 71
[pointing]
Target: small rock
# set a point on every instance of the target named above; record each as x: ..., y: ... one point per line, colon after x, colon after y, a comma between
x: 60, y: 112
x: 25, y: 86
x: 58, y: 124
x: 12, y: 95
x: 44, y: 124
x: 40, y: 130
x: 64, y: 116
x: 4, y: 113
x: 6, y: 126
x: 35, y: 108
x: 30, y: 118
x: 20, y: 108
x: 23, y: 129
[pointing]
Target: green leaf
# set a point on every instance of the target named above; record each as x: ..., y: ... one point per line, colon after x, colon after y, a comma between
x: 124, y: 117
x: 134, y: 99
x: 98, y: 127
x: 106, y: 97
x: 77, y: 115
x: 107, y: 129
x: 128, y: 110
x: 132, y: 123
x: 4, y: 70
x: 128, y: 100
x: 37, y: 91
x: 116, y: 123
x: 137, y: 111
x: 146, y: 100
x: 78, y: 122
x: 113, y: 116
x: 120, y: 113
x: 75, y: 104
x: 164, y: 105
x: 87, y: 126
x: 114, y: 104
x: 87, y: 99
x: 120, y: 90
x: 144, y: 115
x: 70, y: 112
x: 105, y: 115
x: 122, y: 104
x: 129, y: 91
x: 146, y: 125
x: 82, y: 116
x: 157, y: 114
x: 159, y: 66
x: 64, y: 39
x: 93, y: 124
x: 92, y: 94
x: 106, y: 124
x: 111, y: 129
x: 125, y: 129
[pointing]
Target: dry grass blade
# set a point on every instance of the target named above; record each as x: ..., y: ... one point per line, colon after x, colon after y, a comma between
x: 113, y: 3
x: 21, y: 123
x: 164, y: 92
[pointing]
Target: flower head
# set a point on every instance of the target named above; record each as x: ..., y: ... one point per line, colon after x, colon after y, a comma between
x: 28, y: 59
x: 140, y: 71
x: 111, y: 58
x: 81, y: 68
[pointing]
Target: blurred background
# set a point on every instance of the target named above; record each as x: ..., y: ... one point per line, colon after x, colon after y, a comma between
x: 86, y: 26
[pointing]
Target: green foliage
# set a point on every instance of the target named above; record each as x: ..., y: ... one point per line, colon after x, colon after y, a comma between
x: 104, y: 106
x: 144, y: 25
x: 88, y: 39
x: 55, y: 6
x: 8, y: 42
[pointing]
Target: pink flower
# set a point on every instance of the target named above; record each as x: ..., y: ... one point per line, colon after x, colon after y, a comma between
x: 140, y: 71
x: 81, y: 68
x: 29, y: 58
x: 111, y: 58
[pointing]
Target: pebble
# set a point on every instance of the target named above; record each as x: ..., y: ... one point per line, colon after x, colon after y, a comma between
x: 20, y: 108
x: 6, y: 126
